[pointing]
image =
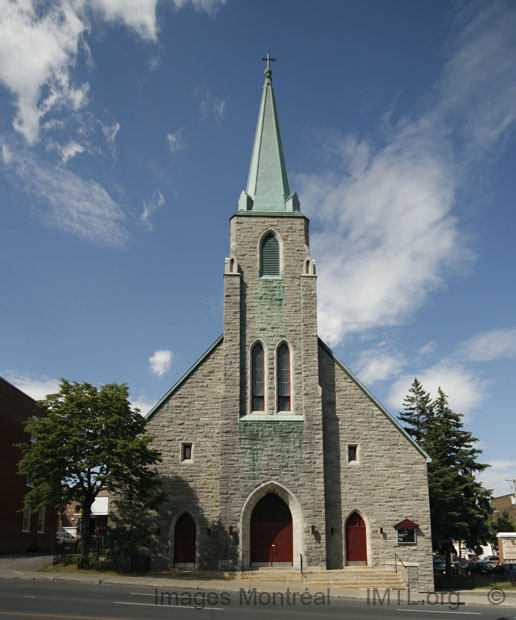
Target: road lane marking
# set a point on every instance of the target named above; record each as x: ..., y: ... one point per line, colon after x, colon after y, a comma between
x: 435, y: 611
x: 31, y: 615
x: 165, y: 606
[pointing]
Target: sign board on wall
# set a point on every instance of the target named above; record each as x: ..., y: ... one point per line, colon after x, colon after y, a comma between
x: 507, y: 547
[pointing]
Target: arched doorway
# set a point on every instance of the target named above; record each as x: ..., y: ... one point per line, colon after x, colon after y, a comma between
x: 184, y: 542
x: 356, y: 543
x: 271, y: 532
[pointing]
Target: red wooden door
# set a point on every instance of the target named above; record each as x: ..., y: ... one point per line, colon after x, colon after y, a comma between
x: 271, y: 542
x: 356, y: 546
x: 184, y: 541
x: 271, y: 532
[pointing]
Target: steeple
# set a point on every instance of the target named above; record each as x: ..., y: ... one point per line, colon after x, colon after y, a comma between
x: 268, y: 187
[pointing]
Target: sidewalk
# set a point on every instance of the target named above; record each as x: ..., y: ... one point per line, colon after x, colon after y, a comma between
x: 27, y: 569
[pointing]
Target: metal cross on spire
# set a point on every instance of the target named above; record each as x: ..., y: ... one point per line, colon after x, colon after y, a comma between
x: 269, y: 60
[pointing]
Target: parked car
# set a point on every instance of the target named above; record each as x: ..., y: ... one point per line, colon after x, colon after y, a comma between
x: 64, y: 537
x: 439, y: 565
x: 481, y: 567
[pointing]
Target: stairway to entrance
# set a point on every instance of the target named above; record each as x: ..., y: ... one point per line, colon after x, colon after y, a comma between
x: 348, y: 577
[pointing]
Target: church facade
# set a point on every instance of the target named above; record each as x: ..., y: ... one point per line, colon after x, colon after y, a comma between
x: 273, y: 452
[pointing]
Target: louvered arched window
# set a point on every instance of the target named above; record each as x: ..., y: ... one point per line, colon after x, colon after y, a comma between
x: 257, y: 378
x: 283, y: 368
x: 270, y: 256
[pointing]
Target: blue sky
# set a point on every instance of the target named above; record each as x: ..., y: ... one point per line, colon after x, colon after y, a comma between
x: 126, y: 129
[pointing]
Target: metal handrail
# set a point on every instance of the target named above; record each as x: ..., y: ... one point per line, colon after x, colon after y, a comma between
x: 397, y: 557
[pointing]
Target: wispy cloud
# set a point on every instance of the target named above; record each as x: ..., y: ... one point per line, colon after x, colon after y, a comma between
x: 210, y: 106
x: 490, y: 345
x: 379, y: 364
x: 428, y: 348
x: 499, y: 477
x: 384, y: 229
x: 36, y: 387
x: 175, y: 141
x: 150, y: 205
x: 160, y: 362
x: 208, y: 6
x: 466, y: 391
x: 83, y: 208
x: 142, y: 403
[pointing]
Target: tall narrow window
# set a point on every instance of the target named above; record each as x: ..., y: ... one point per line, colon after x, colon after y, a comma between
x: 26, y: 519
x: 270, y: 256
x: 283, y: 378
x: 257, y: 376
x: 41, y: 520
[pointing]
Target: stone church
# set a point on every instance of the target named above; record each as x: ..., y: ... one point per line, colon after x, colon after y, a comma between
x: 274, y: 454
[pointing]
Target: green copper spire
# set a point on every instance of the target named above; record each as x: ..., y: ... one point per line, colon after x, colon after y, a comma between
x: 268, y: 187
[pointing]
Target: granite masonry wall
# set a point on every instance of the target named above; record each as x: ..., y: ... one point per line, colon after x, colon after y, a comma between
x: 387, y: 483
x: 240, y: 455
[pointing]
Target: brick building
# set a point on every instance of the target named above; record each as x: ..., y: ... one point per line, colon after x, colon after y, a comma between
x: 27, y: 530
x: 504, y: 503
x: 273, y: 452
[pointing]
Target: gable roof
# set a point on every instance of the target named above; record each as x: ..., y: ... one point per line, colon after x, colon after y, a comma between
x: 388, y: 415
x: 184, y: 377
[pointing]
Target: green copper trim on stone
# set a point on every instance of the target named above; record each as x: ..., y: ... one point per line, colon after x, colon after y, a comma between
x: 268, y: 186
x: 271, y: 214
x: 390, y: 417
x: 184, y: 377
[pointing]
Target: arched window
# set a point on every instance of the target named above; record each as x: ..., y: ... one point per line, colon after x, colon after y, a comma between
x: 283, y: 366
x: 257, y: 377
x: 270, y: 256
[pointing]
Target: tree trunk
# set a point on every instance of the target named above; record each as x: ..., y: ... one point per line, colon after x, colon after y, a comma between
x: 85, y: 533
x: 448, y: 558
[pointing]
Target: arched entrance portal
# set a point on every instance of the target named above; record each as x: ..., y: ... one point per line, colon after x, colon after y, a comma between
x: 271, y: 532
x: 356, y: 544
x: 184, y: 542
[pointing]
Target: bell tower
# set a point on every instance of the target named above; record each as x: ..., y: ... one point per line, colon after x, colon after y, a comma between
x: 271, y: 389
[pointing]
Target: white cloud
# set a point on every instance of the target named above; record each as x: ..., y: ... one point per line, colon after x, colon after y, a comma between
x: 208, y: 6
x: 36, y: 387
x: 160, y: 362
x: 6, y: 154
x: 149, y: 206
x: 83, y: 208
x: 378, y: 365
x: 175, y: 141
x: 143, y: 404
x: 490, y: 345
x: 383, y: 228
x: 428, y: 348
x: 499, y: 477
x: 138, y: 15
x: 38, y: 46
x: 70, y: 150
x: 210, y: 106
x: 110, y: 132
x: 466, y: 391
x: 384, y: 232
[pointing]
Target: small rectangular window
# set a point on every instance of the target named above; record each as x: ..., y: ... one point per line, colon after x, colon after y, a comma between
x: 26, y: 519
x: 41, y: 520
x: 352, y: 453
x: 186, y: 452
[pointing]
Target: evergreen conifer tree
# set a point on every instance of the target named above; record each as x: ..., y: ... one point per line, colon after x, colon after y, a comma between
x: 459, y: 504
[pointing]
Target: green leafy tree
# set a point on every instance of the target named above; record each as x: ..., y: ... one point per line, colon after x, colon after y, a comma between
x: 88, y: 439
x: 459, y: 505
x: 500, y: 523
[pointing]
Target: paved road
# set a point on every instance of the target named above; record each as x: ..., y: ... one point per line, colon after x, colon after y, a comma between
x: 34, y: 600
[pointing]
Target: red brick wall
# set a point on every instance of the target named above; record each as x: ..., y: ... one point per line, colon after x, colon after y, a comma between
x: 15, y: 408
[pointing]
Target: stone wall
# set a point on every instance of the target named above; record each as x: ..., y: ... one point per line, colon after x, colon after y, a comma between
x: 387, y: 483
